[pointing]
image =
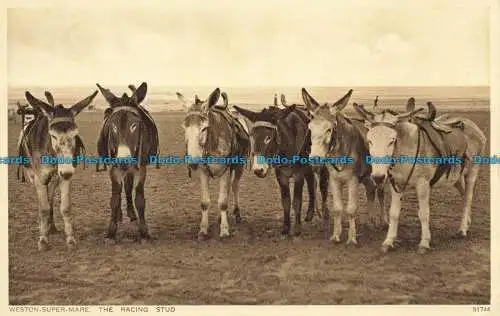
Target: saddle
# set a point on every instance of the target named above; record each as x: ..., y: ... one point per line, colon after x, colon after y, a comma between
x: 446, y: 137
x: 239, y: 127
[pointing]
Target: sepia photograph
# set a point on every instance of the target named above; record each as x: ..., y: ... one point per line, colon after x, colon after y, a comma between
x: 248, y: 153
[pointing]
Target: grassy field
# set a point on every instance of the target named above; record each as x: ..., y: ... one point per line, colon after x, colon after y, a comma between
x: 254, y: 266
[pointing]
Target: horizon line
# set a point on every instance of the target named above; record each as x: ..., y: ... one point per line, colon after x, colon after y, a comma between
x: 9, y: 85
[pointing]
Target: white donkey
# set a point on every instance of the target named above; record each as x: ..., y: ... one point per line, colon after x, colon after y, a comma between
x: 453, y: 140
x: 333, y: 135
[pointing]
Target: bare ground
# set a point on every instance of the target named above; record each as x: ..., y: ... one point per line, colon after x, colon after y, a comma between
x: 254, y: 266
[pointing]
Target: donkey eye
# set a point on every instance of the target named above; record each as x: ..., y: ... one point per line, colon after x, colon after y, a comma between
x: 392, y: 141
x: 329, y: 130
x: 133, y: 127
x: 267, y: 140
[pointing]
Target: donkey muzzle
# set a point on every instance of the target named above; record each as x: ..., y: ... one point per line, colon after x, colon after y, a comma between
x: 378, y: 179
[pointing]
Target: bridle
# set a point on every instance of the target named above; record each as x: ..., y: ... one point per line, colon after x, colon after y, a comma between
x: 267, y: 125
x: 391, y: 178
x: 134, y: 111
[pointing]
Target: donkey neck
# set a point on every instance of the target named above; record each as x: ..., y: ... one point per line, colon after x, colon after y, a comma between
x: 350, y: 139
x: 293, y: 132
x: 219, y: 135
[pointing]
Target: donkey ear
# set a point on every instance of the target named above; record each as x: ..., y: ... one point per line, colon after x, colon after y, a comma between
x: 49, y: 97
x: 140, y: 93
x: 78, y: 107
x: 283, y: 101
x: 108, y: 95
x: 410, y: 104
x: 310, y: 102
x: 46, y: 109
x: 225, y: 98
x: 342, y: 102
x: 213, y: 98
x: 252, y: 116
x: 367, y: 115
x: 181, y: 98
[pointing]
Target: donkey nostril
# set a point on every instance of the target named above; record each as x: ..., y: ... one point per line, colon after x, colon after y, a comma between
x: 378, y: 179
x: 65, y: 175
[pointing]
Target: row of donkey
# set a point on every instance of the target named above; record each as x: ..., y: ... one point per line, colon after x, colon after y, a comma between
x: 313, y: 129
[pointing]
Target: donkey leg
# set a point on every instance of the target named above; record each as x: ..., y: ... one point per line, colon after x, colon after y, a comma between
x: 338, y: 206
x: 352, y: 209
x: 115, y: 202
x: 394, y: 211
x: 311, y: 189
x: 51, y: 193
x: 370, y: 189
x: 129, y: 186
x: 44, y: 214
x: 238, y: 172
x: 470, y: 182
x: 381, y: 201
x: 297, y: 202
x: 224, y: 187
x: 423, y: 194
x: 323, y: 187
x: 140, y: 203
x: 284, y: 183
x: 65, y: 209
x: 205, y: 205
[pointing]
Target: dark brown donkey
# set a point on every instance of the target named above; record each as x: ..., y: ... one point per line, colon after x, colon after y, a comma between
x: 53, y: 133
x: 129, y: 138
x: 283, y: 133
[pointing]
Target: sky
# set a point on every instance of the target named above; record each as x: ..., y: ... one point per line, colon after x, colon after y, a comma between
x: 259, y: 43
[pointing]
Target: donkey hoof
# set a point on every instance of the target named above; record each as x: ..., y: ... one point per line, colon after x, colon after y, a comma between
x: 224, y: 235
x: 351, y: 243
x: 237, y: 215
x: 335, y: 239
x: 43, y: 244
x: 461, y: 234
x: 386, y: 248
x: 202, y: 236
x: 71, y: 243
x: 422, y: 250
x: 109, y: 241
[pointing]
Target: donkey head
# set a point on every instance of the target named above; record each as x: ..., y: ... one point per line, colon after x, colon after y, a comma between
x: 325, y: 123
x: 196, y: 122
x: 124, y: 121
x: 265, y: 135
x: 63, y: 131
x: 382, y: 136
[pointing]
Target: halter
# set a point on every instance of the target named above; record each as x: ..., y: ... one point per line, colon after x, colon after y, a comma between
x: 391, y: 179
x: 266, y: 125
x: 63, y: 119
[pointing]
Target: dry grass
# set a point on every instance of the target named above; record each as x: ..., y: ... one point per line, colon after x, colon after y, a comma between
x: 252, y: 267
